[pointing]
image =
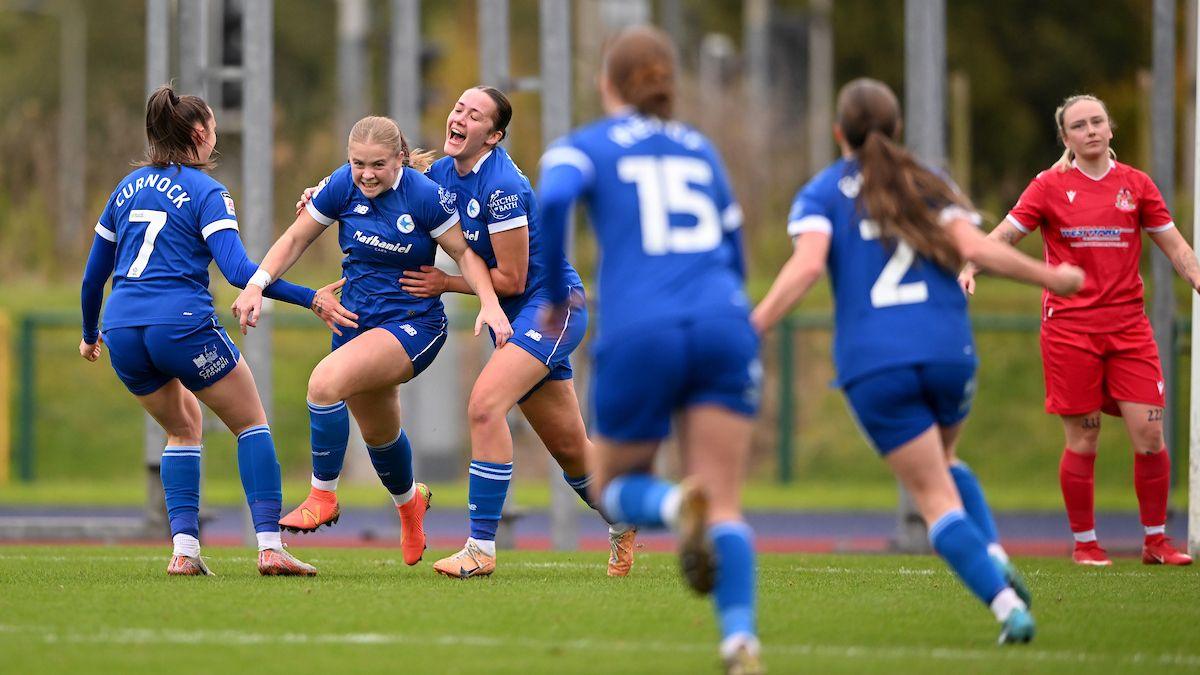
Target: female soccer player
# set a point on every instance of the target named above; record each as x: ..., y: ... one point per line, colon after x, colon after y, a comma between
x: 158, y: 233
x: 891, y: 232
x: 391, y: 218
x: 1098, y: 350
x: 675, y: 335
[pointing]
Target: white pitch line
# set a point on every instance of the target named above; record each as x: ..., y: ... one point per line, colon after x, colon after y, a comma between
x: 155, y: 636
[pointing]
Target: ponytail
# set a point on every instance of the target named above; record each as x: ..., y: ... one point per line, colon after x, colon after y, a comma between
x: 171, y: 122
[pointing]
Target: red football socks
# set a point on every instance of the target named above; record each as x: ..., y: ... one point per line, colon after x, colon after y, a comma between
x: 1077, y: 476
x: 1152, y: 481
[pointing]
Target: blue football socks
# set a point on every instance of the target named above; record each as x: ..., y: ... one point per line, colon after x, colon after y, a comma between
x: 259, y: 470
x: 733, y: 596
x: 393, y: 463
x: 639, y: 499
x: 958, y: 541
x: 180, y: 475
x: 329, y: 432
x: 971, y: 494
x: 487, y: 486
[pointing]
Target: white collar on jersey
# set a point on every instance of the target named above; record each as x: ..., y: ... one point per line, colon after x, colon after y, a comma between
x: 399, y: 177
x: 479, y: 164
x: 1111, y: 165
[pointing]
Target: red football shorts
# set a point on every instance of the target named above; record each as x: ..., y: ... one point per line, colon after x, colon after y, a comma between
x: 1092, y: 371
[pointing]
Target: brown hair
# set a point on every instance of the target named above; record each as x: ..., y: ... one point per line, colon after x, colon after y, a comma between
x: 171, y: 129
x: 384, y: 131
x: 504, y: 109
x: 898, y: 192
x: 1064, y: 162
x: 640, y: 65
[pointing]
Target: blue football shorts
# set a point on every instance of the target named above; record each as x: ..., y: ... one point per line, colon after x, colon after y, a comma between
x: 896, y: 405
x: 642, y: 377
x: 147, y: 357
x: 422, y: 336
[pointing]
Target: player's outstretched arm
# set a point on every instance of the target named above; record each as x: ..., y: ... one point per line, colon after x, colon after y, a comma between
x: 475, y: 271
x: 279, y: 259
x: 1000, y: 258
x: 799, y: 273
x: 1006, y: 233
x: 1180, y: 254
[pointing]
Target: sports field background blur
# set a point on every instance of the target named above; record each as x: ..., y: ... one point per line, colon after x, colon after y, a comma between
x: 1010, y: 63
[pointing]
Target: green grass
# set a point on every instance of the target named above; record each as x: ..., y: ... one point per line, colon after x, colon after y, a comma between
x: 102, y: 610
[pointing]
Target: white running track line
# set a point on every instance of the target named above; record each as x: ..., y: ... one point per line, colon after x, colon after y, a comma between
x: 155, y: 636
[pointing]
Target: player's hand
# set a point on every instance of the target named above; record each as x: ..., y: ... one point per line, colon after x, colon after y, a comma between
x: 494, y: 317
x: 552, y: 319
x: 91, y: 352
x: 429, y: 282
x: 966, y: 279
x: 305, y: 198
x: 1067, y: 280
x: 248, y: 307
x: 329, y: 309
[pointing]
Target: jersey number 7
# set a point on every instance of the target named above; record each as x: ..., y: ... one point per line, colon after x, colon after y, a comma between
x: 664, y: 187
x: 155, y: 220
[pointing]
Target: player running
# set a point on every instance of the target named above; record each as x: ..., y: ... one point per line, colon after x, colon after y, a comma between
x: 675, y: 335
x: 1098, y: 350
x: 162, y: 226
x: 391, y: 218
x: 891, y: 232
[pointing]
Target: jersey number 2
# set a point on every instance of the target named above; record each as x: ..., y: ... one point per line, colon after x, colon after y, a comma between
x: 664, y: 186
x: 155, y: 220
x: 887, y: 290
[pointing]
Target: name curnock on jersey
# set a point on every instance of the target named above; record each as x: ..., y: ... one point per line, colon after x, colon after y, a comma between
x: 175, y: 193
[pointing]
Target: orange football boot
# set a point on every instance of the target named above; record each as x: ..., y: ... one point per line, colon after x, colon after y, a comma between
x: 319, y: 508
x: 620, y: 549
x: 471, y: 561
x: 412, y: 524
x: 277, y: 562
x: 188, y: 566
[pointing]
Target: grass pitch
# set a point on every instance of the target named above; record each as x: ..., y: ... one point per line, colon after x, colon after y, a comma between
x: 101, y: 610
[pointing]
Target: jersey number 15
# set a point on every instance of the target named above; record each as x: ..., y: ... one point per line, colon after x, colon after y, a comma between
x: 664, y: 187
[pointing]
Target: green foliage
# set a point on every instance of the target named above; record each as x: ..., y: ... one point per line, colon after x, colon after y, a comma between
x: 108, y: 609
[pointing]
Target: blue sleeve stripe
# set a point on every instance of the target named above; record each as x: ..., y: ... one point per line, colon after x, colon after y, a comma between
x: 218, y: 225
x: 106, y: 233
x: 445, y: 226
x: 569, y: 156
x: 318, y: 216
x: 506, y: 225
x: 810, y: 224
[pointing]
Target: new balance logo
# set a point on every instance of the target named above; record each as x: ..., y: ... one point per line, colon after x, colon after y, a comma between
x: 533, y: 335
x: 412, y: 332
x: 1071, y: 196
x: 362, y: 209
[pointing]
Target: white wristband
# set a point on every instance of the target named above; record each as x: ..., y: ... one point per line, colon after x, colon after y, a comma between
x: 261, y: 278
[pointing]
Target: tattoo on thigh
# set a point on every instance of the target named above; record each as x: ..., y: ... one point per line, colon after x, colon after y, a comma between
x: 1091, y: 422
x: 1154, y: 415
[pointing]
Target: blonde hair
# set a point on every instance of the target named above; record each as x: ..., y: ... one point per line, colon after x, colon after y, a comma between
x: 1068, y: 157
x: 374, y: 130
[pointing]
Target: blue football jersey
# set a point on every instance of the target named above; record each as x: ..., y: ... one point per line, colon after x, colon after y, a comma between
x: 892, y: 306
x: 665, y: 218
x: 496, y: 197
x: 383, y: 237
x: 159, y: 218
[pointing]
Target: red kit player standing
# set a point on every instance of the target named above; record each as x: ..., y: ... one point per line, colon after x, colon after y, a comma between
x: 1098, y: 351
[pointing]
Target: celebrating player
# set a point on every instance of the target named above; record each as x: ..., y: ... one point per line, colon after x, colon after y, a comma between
x: 675, y: 335
x: 1098, y: 350
x: 502, y: 225
x: 158, y: 233
x: 391, y: 218
x: 891, y: 232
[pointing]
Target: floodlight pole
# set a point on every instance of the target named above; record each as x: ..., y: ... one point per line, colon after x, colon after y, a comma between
x: 1194, y: 422
x: 1162, y: 168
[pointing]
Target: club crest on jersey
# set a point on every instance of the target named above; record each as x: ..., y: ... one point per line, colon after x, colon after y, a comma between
x: 228, y: 203
x: 448, y: 199
x: 473, y: 208
x: 361, y: 209
x: 1071, y: 196
x: 405, y: 224
x: 850, y: 185
x: 500, y: 205
x: 1125, y: 201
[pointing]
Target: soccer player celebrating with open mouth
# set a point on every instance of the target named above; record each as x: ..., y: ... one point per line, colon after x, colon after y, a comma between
x: 1098, y: 350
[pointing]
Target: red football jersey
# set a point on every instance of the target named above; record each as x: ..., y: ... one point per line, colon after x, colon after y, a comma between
x: 1094, y: 223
